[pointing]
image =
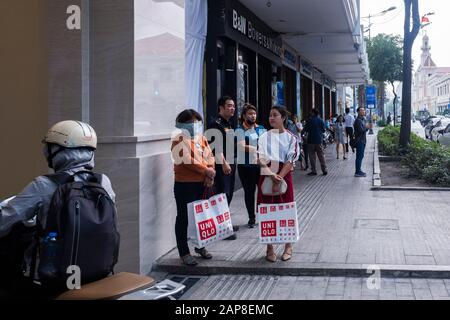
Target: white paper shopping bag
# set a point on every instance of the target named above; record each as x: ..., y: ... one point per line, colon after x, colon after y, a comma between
x: 209, y: 220
x: 278, y: 223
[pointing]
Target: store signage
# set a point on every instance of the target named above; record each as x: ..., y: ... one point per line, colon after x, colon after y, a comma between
x: 289, y: 58
x: 306, y: 68
x: 371, y: 97
x: 247, y: 28
x: 317, y: 76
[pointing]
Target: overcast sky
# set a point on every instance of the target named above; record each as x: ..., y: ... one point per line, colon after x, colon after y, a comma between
x: 392, y: 23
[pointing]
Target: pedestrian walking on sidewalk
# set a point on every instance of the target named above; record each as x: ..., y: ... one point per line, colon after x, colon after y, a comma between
x: 349, y: 121
x: 248, y: 169
x: 339, y: 133
x: 315, y: 127
x: 278, y: 152
x: 194, y: 171
x: 225, y: 163
x: 361, y: 127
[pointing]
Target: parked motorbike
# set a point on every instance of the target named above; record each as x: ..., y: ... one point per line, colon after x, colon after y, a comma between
x: 121, y: 286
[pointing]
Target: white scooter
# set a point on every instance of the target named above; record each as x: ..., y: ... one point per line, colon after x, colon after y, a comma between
x: 121, y: 286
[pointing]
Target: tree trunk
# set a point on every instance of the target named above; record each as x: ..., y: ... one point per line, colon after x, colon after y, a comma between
x: 380, y: 95
x: 410, y: 36
x: 395, y: 99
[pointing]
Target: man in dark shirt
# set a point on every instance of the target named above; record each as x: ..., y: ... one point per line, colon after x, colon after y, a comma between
x: 361, y: 127
x: 315, y: 127
x: 225, y: 159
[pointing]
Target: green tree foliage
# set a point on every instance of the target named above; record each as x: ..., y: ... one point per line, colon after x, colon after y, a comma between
x: 385, y: 58
x: 386, y: 61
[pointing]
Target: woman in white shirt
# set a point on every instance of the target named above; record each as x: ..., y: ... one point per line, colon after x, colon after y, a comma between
x: 278, y: 151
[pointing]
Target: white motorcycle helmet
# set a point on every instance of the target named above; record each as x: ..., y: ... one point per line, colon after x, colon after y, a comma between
x: 72, y: 134
x: 69, y: 134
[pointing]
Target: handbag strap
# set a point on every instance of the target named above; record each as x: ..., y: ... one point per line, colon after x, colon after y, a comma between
x: 208, y: 193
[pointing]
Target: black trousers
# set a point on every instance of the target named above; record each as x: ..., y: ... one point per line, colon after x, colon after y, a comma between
x: 349, y: 131
x: 185, y: 192
x: 249, y: 176
x: 225, y: 183
x: 306, y: 152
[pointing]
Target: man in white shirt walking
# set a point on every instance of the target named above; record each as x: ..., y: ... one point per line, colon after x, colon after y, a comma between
x: 349, y: 121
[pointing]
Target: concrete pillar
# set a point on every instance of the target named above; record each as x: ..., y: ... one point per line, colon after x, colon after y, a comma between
x: 134, y: 88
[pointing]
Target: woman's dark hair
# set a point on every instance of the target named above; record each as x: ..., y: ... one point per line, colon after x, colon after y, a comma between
x: 188, y: 115
x: 340, y: 117
x: 245, y: 109
x: 284, y: 113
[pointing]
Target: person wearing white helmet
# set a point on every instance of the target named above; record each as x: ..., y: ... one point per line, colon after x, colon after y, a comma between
x: 69, y: 147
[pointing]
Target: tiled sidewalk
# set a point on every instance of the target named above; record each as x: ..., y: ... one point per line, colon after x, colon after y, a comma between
x: 345, y: 227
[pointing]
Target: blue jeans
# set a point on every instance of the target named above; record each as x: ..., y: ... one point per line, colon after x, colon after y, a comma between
x: 360, y: 148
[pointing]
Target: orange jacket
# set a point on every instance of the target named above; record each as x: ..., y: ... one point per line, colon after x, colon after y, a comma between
x: 191, y: 158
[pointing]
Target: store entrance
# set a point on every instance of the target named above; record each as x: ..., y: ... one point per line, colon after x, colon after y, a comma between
x: 264, y: 90
x: 306, y: 101
x: 318, y: 97
x: 327, y: 104
x: 289, y: 77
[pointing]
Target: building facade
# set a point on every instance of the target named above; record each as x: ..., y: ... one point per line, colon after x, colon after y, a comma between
x: 120, y: 65
x: 430, y: 84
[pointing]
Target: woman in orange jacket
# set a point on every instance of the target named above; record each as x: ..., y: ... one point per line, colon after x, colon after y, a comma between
x: 194, y: 171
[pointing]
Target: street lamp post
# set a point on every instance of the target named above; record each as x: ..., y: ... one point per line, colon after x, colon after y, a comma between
x: 377, y: 15
x: 370, y: 38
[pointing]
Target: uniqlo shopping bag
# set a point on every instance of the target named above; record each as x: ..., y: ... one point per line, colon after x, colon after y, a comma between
x: 209, y: 220
x: 278, y: 223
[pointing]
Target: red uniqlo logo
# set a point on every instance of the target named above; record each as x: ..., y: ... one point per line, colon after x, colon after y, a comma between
x: 291, y: 223
x: 227, y: 216
x: 206, y: 206
x: 207, y: 229
x: 198, y: 208
x: 282, y: 223
x: 213, y: 202
x: 281, y: 207
x: 220, y: 219
x: 273, y: 209
x: 263, y: 210
x: 268, y: 229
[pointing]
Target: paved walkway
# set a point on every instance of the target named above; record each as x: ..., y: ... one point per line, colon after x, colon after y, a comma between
x: 345, y: 227
x: 248, y: 287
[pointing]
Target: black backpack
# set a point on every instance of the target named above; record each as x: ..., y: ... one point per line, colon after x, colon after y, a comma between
x: 84, y: 218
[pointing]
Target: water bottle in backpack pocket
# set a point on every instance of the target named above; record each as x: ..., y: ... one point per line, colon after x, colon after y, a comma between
x: 49, y: 253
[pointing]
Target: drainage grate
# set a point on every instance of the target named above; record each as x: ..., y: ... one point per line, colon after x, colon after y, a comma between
x: 379, y: 224
x: 189, y: 282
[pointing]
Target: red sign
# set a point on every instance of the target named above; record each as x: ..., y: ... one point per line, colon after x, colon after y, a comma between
x: 280, y: 207
x: 291, y: 223
x: 263, y: 210
x: 269, y: 229
x: 273, y: 209
x: 282, y: 223
x: 207, y: 229
x: 198, y: 208
x: 213, y: 202
x: 220, y: 219
x: 227, y: 216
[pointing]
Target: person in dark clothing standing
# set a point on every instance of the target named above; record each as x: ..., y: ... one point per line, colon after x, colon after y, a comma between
x: 225, y: 159
x: 315, y: 127
x: 248, y: 169
x: 349, y: 121
x: 361, y: 127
